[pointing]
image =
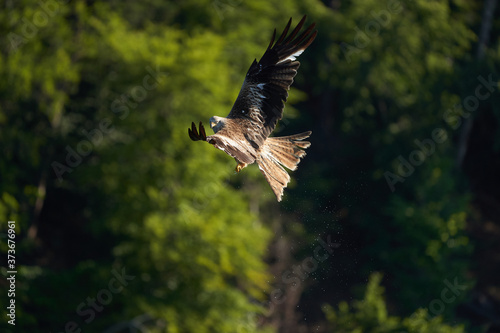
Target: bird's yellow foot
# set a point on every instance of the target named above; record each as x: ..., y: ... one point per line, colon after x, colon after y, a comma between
x: 240, y: 166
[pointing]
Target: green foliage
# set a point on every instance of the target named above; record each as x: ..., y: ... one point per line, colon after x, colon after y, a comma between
x: 99, y: 174
x: 370, y: 315
x: 122, y: 97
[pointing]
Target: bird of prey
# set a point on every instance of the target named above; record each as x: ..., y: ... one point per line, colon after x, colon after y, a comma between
x: 244, y: 133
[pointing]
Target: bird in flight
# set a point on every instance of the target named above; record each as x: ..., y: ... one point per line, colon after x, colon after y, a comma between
x: 244, y: 133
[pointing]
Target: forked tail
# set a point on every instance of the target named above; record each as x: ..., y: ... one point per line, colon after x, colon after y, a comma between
x: 279, y: 152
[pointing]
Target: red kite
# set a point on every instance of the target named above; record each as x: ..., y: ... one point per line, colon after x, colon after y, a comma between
x: 244, y: 133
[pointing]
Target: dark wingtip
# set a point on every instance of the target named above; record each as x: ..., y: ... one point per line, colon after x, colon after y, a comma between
x: 303, y: 19
x: 296, y: 30
x: 194, y: 135
x: 193, y: 128
x: 191, y: 135
x: 285, y: 31
x: 203, y: 134
x: 192, y: 132
x: 272, y: 39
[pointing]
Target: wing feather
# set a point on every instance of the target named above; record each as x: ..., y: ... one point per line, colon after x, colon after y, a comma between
x: 265, y: 89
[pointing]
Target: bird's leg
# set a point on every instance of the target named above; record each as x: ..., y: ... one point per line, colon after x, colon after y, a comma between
x: 240, y: 166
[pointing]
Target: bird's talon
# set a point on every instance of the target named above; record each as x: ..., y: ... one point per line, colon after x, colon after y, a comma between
x: 239, y: 166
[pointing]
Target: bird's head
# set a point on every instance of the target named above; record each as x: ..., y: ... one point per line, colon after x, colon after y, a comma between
x: 217, y: 123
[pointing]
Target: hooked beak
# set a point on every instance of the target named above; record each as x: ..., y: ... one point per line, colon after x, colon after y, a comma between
x: 214, y: 121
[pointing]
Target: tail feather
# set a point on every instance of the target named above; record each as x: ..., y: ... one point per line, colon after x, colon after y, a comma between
x: 278, y: 152
x: 287, y: 151
x: 276, y: 176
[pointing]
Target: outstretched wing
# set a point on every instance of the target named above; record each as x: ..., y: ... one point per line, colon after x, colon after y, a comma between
x: 193, y: 133
x: 265, y: 89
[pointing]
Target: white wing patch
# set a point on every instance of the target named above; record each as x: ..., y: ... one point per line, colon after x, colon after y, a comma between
x: 292, y: 57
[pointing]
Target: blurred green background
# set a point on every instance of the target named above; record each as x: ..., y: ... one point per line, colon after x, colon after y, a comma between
x: 123, y: 224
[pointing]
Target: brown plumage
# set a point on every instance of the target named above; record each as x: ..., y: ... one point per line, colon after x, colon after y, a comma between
x: 244, y: 133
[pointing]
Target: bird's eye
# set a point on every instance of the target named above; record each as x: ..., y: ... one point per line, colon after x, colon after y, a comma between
x: 242, y: 111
